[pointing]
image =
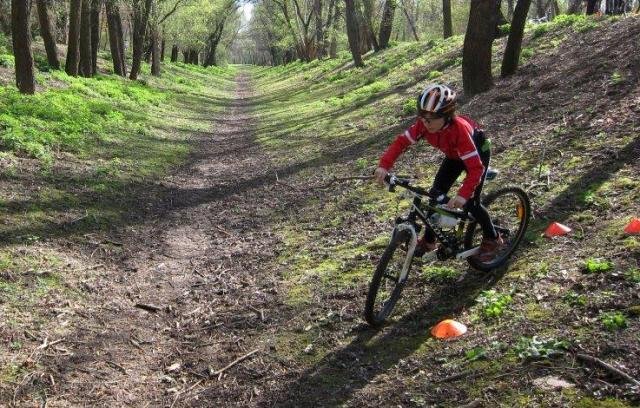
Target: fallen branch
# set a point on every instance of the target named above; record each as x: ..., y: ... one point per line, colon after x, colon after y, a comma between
x: 339, y: 179
x: 285, y: 184
x: 234, y: 362
x: 608, y: 367
x: 259, y: 312
x: 465, y: 374
x: 148, y: 308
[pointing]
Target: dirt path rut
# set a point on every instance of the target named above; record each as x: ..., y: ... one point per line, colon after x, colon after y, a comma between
x: 199, y: 264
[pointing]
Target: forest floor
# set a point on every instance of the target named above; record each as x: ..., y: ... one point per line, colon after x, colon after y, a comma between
x: 239, y: 279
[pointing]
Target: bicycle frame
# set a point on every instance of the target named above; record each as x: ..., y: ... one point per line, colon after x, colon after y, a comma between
x: 423, y: 212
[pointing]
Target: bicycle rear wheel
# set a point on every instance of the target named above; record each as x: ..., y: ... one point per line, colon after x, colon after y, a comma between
x: 510, y: 211
x: 385, y: 287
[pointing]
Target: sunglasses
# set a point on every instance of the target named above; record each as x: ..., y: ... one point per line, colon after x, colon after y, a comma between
x: 429, y: 117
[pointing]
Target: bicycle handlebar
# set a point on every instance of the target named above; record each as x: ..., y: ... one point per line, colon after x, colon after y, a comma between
x: 394, y: 181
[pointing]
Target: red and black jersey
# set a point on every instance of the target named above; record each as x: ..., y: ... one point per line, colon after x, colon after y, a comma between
x: 455, y: 140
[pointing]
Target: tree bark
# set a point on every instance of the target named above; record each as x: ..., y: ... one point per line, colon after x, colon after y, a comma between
x: 73, y: 46
x: 194, y: 57
x: 317, y: 9
x: 540, y: 8
x: 575, y: 6
x: 476, y: 54
x: 510, y: 9
x: 115, y: 38
x: 85, y: 40
x: 5, y: 17
x: 163, y: 45
x: 386, y: 25
x: 514, y: 43
x: 96, y: 5
x: 140, y: 20
x: 47, y: 35
x: 61, y: 22
x: 353, y: 32
x: 447, y: 23
x: 21, y: 37
x: 174, y: 53
x: 155, y: 52
x: 368, y: 21
x: 592, y: 6
x: 500, y: 19
x: 410, y: 21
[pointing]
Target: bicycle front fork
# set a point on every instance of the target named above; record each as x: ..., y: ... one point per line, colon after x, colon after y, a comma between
x: 413, y: 242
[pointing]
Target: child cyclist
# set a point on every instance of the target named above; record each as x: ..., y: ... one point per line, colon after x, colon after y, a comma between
x: 465, y: 149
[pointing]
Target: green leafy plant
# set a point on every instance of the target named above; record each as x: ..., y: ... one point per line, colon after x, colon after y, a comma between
x: 362, y: 163
x: 409, y: 107
x: 575, y: 299
x: 533, y: 348
x: 593, y: 265
x: 476, y: 353
x: 7, y: 61
x: 613, y: 321
x: 504, y: 29
x: 493, y: 304
x: 633, y: 275
x: 434, y: 75
x: 439, y: 274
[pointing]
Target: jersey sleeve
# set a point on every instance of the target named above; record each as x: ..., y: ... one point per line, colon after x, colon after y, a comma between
x: 399, y: 145
x: 469, y: 155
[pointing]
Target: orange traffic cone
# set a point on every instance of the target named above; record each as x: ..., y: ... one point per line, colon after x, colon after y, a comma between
x: 633, y: 227
x: 556, y: 229
x: 448, y: 328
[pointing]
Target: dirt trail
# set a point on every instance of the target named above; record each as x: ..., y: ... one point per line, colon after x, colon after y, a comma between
x: 200, y: 259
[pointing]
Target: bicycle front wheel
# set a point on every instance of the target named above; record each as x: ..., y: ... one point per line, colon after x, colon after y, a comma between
x: 386, y: 287
x: 510, y: 211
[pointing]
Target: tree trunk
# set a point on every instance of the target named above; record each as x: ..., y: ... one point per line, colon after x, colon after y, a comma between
x: 140, y: 19
x: 115, y: 38
x: 514, y: 43
x: 386, y: 25
x: 194, y: 57
x: 5, y: 18
x: 163, y: 45
x: 96, y: 5
x: 155, y: 52
x: 353, y: 32
x: 540, y: 9
x: 61, y: 23
x: 510, y: 9
x: 363, y: 33
x: 476, y: 54
x: 21, y: 37
x: 575, y: 6
x: 500, y: 19
x: 368, y: 17
x: 592, y: 6
x: 85, y: 40
x: 47, y: 35
x: 410, y: 21
x: 317, y: 9
x: 446, y: 19
x: 121, y: 46
x: 73, y: 46
x: 174, y: 53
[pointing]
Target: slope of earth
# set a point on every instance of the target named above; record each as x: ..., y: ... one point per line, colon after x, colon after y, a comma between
x: 564, y: 127
x: 239, y: 279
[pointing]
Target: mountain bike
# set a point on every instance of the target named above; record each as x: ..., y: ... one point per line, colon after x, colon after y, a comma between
x: 457, y: 233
